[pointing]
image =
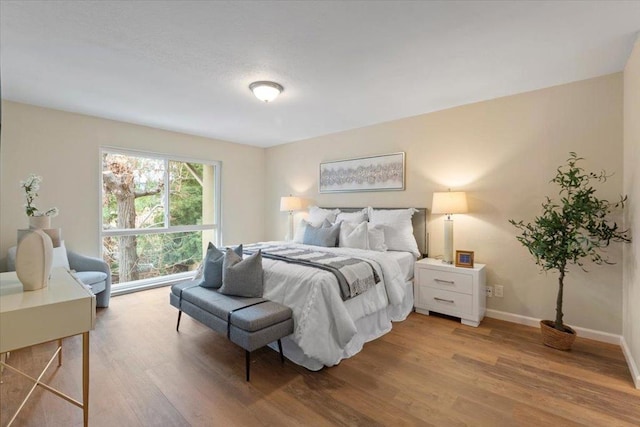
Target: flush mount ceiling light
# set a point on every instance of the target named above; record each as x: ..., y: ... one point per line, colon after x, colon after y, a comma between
x: 266, y: 91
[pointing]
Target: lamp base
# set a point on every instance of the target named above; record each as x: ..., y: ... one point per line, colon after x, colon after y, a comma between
x: 448, y: 241
x: 289, y: 236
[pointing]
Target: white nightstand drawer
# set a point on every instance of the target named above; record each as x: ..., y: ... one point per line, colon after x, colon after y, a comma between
x: 446, y: 280
x: 456, y: 291
x: 447, y: 302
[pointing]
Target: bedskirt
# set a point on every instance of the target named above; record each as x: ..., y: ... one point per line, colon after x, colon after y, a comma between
x: 369, y: 328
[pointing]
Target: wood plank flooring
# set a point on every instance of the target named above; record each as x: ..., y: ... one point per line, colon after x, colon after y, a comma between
x: 427, y: 371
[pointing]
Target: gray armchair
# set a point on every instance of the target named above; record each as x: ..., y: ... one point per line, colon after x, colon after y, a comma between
x: 93, y: 272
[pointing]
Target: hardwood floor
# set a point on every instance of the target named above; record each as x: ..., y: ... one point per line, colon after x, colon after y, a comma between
x: 427, y: 371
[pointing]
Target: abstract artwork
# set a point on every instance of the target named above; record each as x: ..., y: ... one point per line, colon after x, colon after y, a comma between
x: 376, y: 173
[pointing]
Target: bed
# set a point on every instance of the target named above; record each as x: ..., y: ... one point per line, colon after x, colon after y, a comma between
x: 327, y: 328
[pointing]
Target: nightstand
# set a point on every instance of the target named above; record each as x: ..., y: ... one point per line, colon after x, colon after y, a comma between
x: 446, y: 289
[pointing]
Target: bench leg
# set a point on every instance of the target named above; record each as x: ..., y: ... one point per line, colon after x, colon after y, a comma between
x: 281, y: 354
x: 179, y: 316
x: 247, y: 357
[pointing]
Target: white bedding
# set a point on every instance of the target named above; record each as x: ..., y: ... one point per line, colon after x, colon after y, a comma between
x: 325, y: 327
x: 406, y: 260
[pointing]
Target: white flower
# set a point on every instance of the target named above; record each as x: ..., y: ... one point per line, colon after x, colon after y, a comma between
x: 31, y: 186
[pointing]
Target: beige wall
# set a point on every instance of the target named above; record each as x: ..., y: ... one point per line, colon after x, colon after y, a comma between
x: 503, y: 152
x: 64, y: 149
x: 631, y: 287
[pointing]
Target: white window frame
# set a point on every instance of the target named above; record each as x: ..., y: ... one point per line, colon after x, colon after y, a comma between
x: 136, y: 285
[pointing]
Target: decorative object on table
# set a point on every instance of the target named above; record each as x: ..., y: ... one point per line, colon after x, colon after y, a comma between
x: 570, y: 231
x: 375, y: 173
x: 39, y: 222
x: 37, y: 219
x: 54, y: 233
x: 290, y: 204
x: 34, y: 258
x: 464, y: 259
x: 449, y: 203
x: 90, y: 271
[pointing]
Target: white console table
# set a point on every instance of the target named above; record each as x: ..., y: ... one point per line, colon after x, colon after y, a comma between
x: 63, y: 309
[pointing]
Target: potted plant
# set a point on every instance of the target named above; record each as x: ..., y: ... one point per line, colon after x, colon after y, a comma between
x: 37, y: 218
x: 570, y: 231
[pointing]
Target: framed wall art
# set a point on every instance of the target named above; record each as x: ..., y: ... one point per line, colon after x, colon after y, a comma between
x: 376, y: 173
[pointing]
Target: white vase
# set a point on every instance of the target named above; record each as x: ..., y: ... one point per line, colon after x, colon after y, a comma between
x: 34, y: 258
x: 39, y: 222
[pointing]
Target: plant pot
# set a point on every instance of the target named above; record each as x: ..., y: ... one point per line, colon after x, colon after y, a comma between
x: 551, y: 337
x: 39, y: 222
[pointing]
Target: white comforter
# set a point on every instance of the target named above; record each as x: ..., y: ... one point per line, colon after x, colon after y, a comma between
x: 323, y: 323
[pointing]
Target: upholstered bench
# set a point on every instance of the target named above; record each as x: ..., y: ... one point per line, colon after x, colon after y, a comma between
x: 250, y: 323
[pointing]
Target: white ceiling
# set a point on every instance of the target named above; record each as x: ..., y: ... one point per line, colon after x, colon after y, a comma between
x: 186, y: 66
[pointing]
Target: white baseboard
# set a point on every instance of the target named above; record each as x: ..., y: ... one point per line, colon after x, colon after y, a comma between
x: 530, y: 321
x: 635, y: 370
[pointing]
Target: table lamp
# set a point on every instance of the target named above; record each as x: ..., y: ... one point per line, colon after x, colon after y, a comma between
x: 448, y: 203
x: 290, y: 204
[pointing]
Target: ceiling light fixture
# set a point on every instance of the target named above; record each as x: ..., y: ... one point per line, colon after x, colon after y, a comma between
x: 266, y: 91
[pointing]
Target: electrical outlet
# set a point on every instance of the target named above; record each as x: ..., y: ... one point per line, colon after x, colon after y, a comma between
x: 498, y: 291
x: 489, y: 290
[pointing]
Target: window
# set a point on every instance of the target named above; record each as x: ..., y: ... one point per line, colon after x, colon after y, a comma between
x: 158, y: 214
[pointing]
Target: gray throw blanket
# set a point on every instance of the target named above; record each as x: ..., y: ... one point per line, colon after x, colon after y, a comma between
x: 354, y: 275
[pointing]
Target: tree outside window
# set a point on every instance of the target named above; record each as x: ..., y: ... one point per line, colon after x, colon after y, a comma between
x: 158, y: 214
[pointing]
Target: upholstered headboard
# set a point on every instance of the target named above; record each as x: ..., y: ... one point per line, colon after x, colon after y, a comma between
x: 419, y: 221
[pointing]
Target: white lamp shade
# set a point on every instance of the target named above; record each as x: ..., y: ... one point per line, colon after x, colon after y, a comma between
x: 290, y: 203
x: 266, y: 91
x: 449, y: 202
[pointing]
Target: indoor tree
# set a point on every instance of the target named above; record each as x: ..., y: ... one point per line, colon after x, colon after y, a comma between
x: 573, y: 229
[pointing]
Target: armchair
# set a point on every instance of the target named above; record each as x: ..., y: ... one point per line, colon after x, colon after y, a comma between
x: 93, y: 272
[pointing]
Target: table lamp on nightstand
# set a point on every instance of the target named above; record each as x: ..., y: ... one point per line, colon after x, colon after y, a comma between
x: 448, y: 203
x: 290, y: 204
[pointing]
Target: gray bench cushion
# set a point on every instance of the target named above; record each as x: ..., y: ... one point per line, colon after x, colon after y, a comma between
x: 254, y: 340
x: 215, y: 303
x: 179, y: 287
x: 204, y: 317
x: 260, y: 316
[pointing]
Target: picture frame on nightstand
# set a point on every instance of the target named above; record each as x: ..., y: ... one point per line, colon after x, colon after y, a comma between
x: 464, y: 259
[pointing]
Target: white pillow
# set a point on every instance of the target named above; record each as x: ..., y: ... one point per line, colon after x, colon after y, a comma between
x: 354, y: 235
x: 398, y: 229
x: 355, y: 217
x: 386, y: 216
x: 60, y: 256
x: 399, y: 237
x: 376, y: 237
x: 318, y: 215
x: 298, y: 236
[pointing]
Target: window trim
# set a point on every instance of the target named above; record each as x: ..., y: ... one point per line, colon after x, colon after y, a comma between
x: 216, y: 226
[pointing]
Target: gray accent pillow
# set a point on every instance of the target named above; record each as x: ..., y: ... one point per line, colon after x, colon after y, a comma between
x: 299, y: 234
x: 322, y: 236
x: 242, y: 278
x: 212, y: 271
